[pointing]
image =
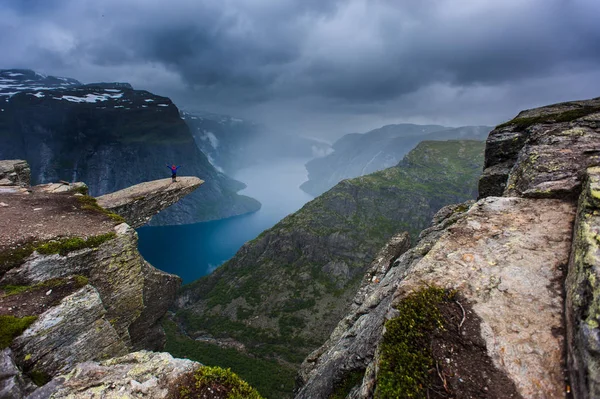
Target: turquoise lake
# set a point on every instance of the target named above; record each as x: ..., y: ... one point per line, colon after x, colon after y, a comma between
x: 194, y: 250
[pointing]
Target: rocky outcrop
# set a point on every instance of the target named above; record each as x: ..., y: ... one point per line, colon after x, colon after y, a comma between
x: 74, y: 331
x: 543, y: 150
x: 505, y: 259
x: 72, y: 269
x: 119, y: 273
x: 14, y: 173
x: 137, y: 204
x: 136, y: 375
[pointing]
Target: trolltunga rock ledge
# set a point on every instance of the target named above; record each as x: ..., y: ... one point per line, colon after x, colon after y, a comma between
x: 137, y: 204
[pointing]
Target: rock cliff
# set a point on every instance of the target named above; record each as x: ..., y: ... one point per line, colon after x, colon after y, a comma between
x: 111, y: 137
x: 498, y: 298
x: 139, y: 203
x: 73, y: 287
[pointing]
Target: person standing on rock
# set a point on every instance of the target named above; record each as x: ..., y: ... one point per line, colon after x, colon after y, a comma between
x: 173, y: 172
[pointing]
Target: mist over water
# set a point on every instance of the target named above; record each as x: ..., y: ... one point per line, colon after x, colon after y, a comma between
x: 192, y: 251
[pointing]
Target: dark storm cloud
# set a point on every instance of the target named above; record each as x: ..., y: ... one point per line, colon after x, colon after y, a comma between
x: 369, y: 56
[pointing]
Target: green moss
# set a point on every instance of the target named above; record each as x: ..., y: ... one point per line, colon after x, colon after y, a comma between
x: 405, y: 355
x: 91, y: 204
x: 211, y: 377
x: 567, y: 116
x: 81, y: 190
x: 14, y: 257
x: 80, y: 281
x: 65, y: 245
x: 39, y: 378
x: 11, y: 327
x: 343, y: 388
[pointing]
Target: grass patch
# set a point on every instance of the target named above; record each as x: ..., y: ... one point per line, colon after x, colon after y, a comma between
x: 81, y: 190
x: 561, y: 117
x: 39, y: 378
x: 14, y: 257
x: 80, y: 281
x: 66, y: 245
x: 218, y: 383
x: 11, y: 327
x: 343, y: 388
x: 405, y: 354
x: 89, y: 203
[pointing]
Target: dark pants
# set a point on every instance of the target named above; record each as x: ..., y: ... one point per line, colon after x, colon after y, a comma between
x: 174, y: 177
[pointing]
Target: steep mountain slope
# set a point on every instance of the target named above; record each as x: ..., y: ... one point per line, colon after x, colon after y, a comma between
x: 110, y: 136
x: 360, y: 154
x: 282, y: 293
x: 223, y: 139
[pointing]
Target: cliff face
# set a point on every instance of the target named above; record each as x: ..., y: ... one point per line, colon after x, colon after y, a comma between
x: 110, y: 136
x: 73, y: 286
x: 502, y: 272
x: 291, y: 285
x: 356, y: 154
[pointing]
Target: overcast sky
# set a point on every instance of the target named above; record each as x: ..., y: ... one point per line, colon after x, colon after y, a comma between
x: 320, y: 67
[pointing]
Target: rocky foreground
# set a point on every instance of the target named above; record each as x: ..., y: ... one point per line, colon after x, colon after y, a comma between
x: 512, y: 281
x: 74, y: 289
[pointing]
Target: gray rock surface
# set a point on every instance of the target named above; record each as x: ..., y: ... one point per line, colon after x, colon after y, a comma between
x: 119, y: 273
x: 583, y: 293
x: 14, y: 173
x: 507, y: 258
x: 12, y: 383
x: 136, y: 375
x: 543, y: 152
x: 137, y: 204
x: 74, y: 331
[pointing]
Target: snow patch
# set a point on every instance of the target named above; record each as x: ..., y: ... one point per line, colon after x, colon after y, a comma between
x: 14, y: 74
x: 90, y: 98
x: 39, y: 94
x: 149, y: 100
x: 162, y: 105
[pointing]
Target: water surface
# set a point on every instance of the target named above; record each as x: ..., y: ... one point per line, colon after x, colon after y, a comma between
x: 194, y: 250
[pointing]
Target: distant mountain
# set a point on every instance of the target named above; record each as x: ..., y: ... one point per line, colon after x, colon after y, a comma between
x: 283, y: 292
x: 111, y: 137
x: 359, y: 154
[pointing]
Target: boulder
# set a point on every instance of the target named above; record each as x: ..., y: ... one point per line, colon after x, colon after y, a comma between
x: 14, y: 173
x: 137, y: 204
x: 543, y: 152
x: 74, y: 331
x: 136, y: 375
